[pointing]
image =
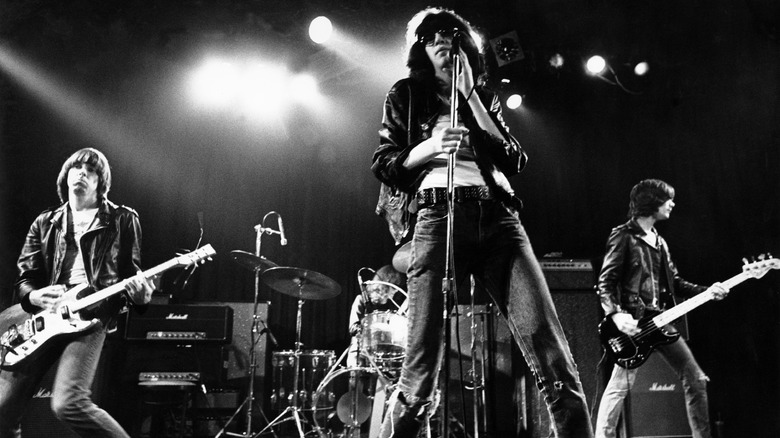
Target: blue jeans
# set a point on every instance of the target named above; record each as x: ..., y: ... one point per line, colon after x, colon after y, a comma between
x: 491, y: 244
x: 694, y: 381
x: 71, y: 391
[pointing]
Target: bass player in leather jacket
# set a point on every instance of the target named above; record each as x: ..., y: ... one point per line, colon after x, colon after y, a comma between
x: 638, y: 277
x: 88, y: 239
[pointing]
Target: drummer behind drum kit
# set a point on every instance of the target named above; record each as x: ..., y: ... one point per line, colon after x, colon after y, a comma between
x: 308, y: 380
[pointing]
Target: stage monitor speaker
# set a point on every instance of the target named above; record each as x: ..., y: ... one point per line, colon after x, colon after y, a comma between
x: 655, y: 406
x: 579, y: 313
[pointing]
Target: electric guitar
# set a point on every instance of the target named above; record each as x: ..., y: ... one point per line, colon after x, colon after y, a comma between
x: 28, y: 335
x: 632, y: 351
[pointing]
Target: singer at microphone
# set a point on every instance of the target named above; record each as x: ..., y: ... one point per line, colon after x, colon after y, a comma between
x: 443, y: 128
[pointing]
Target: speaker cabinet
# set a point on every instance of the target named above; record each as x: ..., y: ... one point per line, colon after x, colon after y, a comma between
x: 655, y: 407
x: 240, y: 346
x: 579, y: 313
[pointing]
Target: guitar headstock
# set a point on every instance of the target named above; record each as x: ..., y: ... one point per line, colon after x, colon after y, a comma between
x: 199, y: 255
x: 758, y: 268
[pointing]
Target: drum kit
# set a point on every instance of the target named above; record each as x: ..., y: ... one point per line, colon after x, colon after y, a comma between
x: 313, y: 381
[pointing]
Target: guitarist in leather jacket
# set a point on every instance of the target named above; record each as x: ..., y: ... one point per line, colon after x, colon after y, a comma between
x: 638, y: 278
x: 87, y: 239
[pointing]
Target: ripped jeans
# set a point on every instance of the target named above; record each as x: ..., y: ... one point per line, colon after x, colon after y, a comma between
x: 492, y: 245
x: 694, y: 381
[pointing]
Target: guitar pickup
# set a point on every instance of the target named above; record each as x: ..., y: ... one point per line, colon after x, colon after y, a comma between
x: 615, y: 345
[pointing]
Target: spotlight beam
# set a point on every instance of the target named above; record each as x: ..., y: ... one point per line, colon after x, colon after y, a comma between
x: 90, y: 120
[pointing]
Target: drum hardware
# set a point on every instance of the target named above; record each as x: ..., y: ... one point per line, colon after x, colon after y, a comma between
x: 251, y: 261
x: 315, y: 365
x: 302, y: 284
x: 381, y: 344
x: 401, y: 307
x: 257, y: 264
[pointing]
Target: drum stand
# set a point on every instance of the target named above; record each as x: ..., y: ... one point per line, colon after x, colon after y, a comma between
x: 249, y: 400
x: 293, y: 409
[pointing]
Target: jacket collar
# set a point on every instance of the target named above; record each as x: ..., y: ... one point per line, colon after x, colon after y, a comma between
x: 634, y: 227
x: 105, y: 212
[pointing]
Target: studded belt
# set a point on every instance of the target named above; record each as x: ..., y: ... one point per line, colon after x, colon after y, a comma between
x: 438, y: 195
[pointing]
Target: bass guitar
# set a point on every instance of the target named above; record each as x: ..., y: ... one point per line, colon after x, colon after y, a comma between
x: 632, y: 351
x: 27, y: 335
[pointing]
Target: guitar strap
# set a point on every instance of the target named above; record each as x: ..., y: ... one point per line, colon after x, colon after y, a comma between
x: 666, y: 297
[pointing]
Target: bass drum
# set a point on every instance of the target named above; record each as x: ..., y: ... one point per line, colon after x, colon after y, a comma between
x: 344, y: 401
x: 314, y: 366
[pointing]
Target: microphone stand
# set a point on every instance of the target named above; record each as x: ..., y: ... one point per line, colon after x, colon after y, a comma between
x: 448, y: 282
x: 249, y: 400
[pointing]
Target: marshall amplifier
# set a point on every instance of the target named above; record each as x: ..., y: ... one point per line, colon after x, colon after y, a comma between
x: 182, y: 323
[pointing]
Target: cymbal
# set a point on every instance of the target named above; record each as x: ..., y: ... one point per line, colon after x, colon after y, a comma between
x: 403, y: 257
x: 251, y: 261
x: 300, y: 283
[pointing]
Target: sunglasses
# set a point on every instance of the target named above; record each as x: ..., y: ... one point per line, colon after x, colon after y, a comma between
x: 428, y: 38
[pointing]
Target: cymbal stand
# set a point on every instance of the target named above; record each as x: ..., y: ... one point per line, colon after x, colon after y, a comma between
x: 293, y: 409
x: 249, y: 400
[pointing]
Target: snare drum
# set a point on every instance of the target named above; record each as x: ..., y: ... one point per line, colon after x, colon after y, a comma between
x: 383, y: 338
x: 314, y: 365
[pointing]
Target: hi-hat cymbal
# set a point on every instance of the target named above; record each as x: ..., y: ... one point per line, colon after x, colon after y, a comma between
x: 300, y: 283
x: 403, y: 257
x: 251, y: 261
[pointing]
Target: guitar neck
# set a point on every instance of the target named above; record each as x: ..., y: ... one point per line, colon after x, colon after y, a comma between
x: 694, y: 302
x: 102, y: 294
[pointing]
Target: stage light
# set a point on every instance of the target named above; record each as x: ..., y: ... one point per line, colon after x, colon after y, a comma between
x: 320, y: 30
x: 596, y: 65
x: 263, y: 89
x: 304, y: 89
x: 556, y: 61
x: 641, y: 68
x: 514, y: 101
x: 215, y: 84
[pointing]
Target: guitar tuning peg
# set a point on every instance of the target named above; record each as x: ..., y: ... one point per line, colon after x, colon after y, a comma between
x: 745, y: 261
x: 761, y: 257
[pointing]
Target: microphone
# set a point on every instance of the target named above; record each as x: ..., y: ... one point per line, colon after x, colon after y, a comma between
x: 455, y: 47
x: 282, y: 238
x: 267, y: 331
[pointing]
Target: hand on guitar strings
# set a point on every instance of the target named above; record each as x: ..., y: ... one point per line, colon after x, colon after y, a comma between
x: 47, y: 297
x: 626, y: 323
x: 139, y: 288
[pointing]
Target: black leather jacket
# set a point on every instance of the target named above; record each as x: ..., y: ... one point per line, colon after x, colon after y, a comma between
x: 626, y: 274
x: 410, y: 113
x: 111, y: 249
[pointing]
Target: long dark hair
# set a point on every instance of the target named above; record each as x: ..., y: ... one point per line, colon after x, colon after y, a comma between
x: 647, y: 195
x: 91, y: 157
x: 430, y: 20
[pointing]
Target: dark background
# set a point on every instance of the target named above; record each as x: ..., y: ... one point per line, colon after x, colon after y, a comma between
x: 110, y: 74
